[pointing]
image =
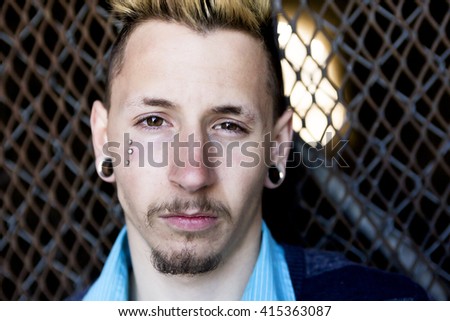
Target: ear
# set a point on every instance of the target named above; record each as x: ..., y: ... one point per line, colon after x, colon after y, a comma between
x: 99, y: 126
x: 282, y: 135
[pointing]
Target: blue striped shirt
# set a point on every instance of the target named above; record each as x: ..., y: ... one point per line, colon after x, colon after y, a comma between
x: 270, y: 279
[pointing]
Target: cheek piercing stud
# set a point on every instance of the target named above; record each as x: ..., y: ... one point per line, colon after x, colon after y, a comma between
x: 129, y: 151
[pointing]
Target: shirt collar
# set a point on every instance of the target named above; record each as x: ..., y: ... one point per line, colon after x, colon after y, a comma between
x: 113, y: 282
x: 270, y: 279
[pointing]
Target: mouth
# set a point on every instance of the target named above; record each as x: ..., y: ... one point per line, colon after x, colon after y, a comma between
x: 194, y: 222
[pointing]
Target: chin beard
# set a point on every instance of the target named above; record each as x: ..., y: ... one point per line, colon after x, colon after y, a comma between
x: 183, y: 263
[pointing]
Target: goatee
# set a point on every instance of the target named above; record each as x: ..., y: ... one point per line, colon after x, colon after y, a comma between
x: 183, y: 263
x: 186, y: 261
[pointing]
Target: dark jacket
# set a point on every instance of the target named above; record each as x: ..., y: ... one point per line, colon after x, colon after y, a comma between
x: 327, y: 276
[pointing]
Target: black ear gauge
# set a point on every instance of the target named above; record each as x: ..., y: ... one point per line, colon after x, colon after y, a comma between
x: 276, y: 174
x: 106, y: 168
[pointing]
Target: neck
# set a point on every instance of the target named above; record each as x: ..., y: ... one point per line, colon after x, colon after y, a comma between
x: 227, y: 282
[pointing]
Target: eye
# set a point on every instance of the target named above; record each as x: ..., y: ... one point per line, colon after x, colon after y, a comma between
x: 229, y: 126
x: 153, y: 121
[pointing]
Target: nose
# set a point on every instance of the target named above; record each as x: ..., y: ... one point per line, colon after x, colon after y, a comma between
x: 188, y: 169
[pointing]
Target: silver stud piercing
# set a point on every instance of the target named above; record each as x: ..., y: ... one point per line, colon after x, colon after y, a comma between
x: 276, y: 174
x: 129, y: 151
x: 106, y: 168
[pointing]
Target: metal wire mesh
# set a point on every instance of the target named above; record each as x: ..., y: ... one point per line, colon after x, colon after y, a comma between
x: 386, y: 203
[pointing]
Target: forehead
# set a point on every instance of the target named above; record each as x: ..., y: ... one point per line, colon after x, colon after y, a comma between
x: 164, y: 58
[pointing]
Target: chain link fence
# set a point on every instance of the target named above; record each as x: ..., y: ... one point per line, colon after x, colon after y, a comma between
x: 369, y: 175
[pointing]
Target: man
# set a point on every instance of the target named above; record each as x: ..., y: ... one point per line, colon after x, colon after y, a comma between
x: 193, y: 97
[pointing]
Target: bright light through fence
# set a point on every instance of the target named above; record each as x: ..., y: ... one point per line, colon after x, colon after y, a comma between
x: 313, y: 96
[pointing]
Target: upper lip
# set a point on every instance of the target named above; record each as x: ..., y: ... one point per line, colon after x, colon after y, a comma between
x: 188, y: 214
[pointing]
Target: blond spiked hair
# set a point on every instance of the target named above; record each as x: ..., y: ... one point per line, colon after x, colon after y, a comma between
x: 250, y: 16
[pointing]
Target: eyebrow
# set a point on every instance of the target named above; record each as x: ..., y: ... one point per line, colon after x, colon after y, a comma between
x: 236, y: 111
x: 150, y: 101
x: 158, y: 102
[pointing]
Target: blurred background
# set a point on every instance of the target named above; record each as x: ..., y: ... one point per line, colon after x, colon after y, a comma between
x: 369, y: 174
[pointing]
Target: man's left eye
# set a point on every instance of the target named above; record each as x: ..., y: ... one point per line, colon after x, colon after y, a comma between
x: 229, y: 126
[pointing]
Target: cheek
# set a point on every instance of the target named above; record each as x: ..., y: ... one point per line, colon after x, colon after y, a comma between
x: 243, y: 155
x: 247, y: 171
x: 148, y: 154
x: 141, y: 175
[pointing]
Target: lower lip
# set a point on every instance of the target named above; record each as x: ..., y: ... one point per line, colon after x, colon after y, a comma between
x: 192, y: 224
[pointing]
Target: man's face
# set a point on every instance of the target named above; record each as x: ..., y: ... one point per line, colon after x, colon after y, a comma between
x: 192, y: 204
